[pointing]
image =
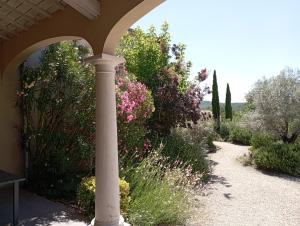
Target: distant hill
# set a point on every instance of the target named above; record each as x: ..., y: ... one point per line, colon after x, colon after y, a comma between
x: 206, y: 105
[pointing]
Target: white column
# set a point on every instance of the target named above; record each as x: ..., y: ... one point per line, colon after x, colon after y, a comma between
x: 107, y: 203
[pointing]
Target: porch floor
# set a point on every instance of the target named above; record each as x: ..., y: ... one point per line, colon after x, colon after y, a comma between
x: 35, y: 210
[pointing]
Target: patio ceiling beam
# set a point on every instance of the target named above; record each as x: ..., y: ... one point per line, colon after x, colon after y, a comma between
x: 20, y: 13
x: 3, y: 36
x: 37, y: 8
x: 88, y: 8
x: 58, y: 4
x: 11, y: 21
x: 5, y: 29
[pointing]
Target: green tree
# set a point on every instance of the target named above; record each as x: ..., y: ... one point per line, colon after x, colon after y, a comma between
x: 228, y: 107
x: 276, y: 104
x: 148, y: 52
x: 215, y: 102
x: 162, y: 67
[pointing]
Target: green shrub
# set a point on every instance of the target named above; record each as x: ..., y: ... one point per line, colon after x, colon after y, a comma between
x: 180, y: 147
x: 57, y: 100
x: 224, y: 131
x: 124, y: 196
x: 159, y: 192
x: 261, y: 139
x: 240, y: 136
x: 298, y: 140
x: 278, y: 157
x: 159, y: 205
x: 201, y: 134
x: 86, y: 196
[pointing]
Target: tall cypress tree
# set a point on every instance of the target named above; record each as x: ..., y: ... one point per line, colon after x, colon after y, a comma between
x: 228, y: 107
x: 215, y: 101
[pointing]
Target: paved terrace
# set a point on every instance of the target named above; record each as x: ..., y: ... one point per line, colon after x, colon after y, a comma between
x: 38, y: 211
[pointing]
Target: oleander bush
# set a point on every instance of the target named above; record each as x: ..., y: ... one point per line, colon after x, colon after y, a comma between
x: 163, y: 68
x: 86, y: 196
x: 279, y: 157
x: 57, y: 100
x: 134, y: 107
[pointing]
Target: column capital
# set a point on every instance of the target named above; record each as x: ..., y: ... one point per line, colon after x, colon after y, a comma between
x: 104, y: 59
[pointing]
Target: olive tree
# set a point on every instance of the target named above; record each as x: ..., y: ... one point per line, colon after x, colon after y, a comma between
x: 276, y: 103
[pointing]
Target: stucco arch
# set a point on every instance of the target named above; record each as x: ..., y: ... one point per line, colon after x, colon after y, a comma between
x: 125, y: 22
x: 103, y: 35
x: 12, y: 67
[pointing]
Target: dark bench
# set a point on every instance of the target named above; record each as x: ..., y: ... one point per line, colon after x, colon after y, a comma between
x: 7, y: 178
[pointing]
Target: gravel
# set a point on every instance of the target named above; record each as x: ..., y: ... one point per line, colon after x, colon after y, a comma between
x: 242, y: 196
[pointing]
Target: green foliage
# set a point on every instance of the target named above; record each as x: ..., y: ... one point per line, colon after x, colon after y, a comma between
x: 298, y: 140
x: 236, y: 107
x: 225, y: 131
x: 278, y: 157
x: 124, y: 196
x: 159, y: 192
x: 201, y: 135
x: 261, y: 139
x: 86, y: 196
x: 215, y: 101
x: 59, y: 107
x: 182, y: 147
x: 146, y: 53
x: 163, y: 69
x: 159, y: 205
x: 228, y: 107
x: 58, y: 104
x: 276, y: 105
x: 134, y: 106
x: 240, y: 135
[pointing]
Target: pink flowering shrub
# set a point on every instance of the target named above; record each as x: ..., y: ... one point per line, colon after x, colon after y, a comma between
x: 134, y: 107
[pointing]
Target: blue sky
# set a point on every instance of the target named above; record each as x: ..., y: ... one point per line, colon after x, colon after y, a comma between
x: 242, y: 40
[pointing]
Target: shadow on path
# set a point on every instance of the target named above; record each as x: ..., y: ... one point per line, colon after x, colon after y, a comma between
x: 279, y: 175
x: 215, y: 179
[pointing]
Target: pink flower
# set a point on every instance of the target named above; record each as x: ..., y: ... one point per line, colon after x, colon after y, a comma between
x: 147, y: 144
x: 130, y: 118
x: 132, y: 97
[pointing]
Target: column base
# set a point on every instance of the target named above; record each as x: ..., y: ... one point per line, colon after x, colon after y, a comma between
x: 121, y: 223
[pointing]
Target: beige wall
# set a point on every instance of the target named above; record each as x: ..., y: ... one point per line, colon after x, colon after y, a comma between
x: 11, y: 156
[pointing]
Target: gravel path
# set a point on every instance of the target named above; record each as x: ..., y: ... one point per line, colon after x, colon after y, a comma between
x: 242, y: 196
